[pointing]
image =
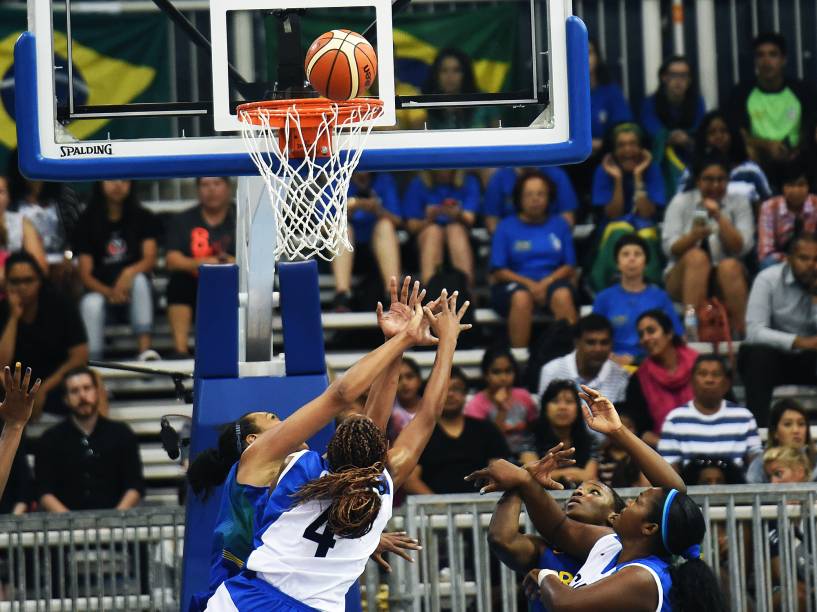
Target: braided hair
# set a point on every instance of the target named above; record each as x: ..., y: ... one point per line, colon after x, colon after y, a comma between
x: 356, y: 456
x: 210, y: 468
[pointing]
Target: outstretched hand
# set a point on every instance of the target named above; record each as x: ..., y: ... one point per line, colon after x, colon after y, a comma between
x: 398, y: 543
x: 599, y: 412
x: 418, y: 328
x: 500, y: 475
x: 19, y: 401
x: 556, y: 458
x: 446, y: 323
x: 401, y: 309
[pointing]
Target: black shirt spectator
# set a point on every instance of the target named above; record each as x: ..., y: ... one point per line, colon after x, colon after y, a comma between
x: 205, y: 234
x: 87, y: 461
x: 40, y: 328
x: 19, y: 491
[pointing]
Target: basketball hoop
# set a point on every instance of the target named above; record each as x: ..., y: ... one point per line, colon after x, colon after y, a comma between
x: 306, y: 150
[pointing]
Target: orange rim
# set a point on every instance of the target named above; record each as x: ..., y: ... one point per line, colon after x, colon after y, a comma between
x: 311, y: 111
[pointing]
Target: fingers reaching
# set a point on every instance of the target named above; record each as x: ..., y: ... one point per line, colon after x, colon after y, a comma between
x: 393, y: 289
x: 404, y: 290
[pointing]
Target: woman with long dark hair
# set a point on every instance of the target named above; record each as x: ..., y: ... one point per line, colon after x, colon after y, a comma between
x: 16, y: 232
x: 117, y: 243
x: 325, y: 516
x: 634, y: 557
x: 788, y: 426
x: 560, y: 421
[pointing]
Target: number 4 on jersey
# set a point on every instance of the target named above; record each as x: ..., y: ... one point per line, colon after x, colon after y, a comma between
x: 325, y: 540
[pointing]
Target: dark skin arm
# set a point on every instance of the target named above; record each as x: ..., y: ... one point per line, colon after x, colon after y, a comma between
x: 632, y: 589
x: 518, y: 551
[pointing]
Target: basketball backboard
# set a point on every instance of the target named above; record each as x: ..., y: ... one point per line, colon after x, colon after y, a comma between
x: 527, y: 105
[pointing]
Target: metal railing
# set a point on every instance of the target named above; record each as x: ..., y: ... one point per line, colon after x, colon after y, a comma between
x: 132, y: 560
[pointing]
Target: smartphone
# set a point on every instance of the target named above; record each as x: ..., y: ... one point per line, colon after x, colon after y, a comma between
x: 700, y: 217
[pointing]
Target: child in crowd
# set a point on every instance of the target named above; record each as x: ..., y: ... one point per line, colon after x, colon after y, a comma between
x: 788, y: 426
x: 511, y: 408
x: 408, y: 397
x: 560, y: 420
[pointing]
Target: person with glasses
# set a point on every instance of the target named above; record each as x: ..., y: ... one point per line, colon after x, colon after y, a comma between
x: 87, y: 461
x: 42, y: 328
x: 707, y: 231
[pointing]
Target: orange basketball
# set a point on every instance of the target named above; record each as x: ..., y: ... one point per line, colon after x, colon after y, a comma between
x: 340, y: 64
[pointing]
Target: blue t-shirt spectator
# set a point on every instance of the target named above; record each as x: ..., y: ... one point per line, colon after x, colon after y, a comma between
x: 534, y: 251
x: 622, y: 308
x: 603, y: 186
x: 607, y: 108
x: 384, y: 187
x: 652, y: 124
x: 498, y: 201
x: 419, y: 195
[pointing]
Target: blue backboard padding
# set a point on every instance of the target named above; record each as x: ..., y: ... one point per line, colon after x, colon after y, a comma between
x: 218, y: 401
x: 35, y: 166
x: 301, y: 317
x: 217, y: 322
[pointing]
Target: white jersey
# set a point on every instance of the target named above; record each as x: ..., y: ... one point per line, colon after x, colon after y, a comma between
x: 295, y: 551
x: 600, y: 562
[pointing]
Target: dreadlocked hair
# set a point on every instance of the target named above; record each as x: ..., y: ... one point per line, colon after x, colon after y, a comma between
x: 356, y: 456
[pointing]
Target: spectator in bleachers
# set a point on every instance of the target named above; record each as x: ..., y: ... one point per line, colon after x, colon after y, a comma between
x: 509, y: 407
x: 663, y: 381
x: 204, y: 234
x: 772, y: 109
x: 712, y: 471
x: 628, y: 192
x: 17, y: 233
x: 616, y: 466
x: 116, y: 240
x: 458, y: 446
x: 440, y: 206
x: 708, y: 424
x: 41, y: 328
x: 781, y: 321
x: 560, y: 420
x: 783, y: 216
x: 50, y: 207
x: 87, y: 461
x: 622, y: 303
x: 715, y: 137
x: 670, y: 117
x: 708, y: 230
x: 786, y: 465
x: 589, y: 364
x: 498, y: 202
x: 788, y: 426
x: 374, y: 216
x: 608, y: 107
x: 407, y: 399
x: 532, y: 260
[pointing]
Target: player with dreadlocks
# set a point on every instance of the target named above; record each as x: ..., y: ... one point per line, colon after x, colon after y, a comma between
x: 246, y: 476
x: 326, y: 514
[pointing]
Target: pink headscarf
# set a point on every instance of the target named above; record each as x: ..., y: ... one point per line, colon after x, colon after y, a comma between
x: 664, y: 390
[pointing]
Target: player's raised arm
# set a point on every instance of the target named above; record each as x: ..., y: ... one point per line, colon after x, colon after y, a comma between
x: 600, y: 415
x: 411, y: 442
x: 380, y: 401
x: 277, y: 443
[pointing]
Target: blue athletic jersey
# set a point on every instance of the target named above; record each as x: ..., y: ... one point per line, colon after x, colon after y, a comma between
x: 534, y: 251
x: 418, y: 196
x: 659, y: 569
x: 602, y: 193
x: 384, y: 187
x: 296, y: 551
x: 233, y: 534
x: 557, y: 561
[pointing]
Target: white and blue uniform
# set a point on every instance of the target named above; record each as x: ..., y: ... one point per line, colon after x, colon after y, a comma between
x: 297, y: 563
x: 603, y: 561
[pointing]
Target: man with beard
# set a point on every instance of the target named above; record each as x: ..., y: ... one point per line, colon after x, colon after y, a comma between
x: 781, y: 321
x: 458, y: 446
x: 87, y: 461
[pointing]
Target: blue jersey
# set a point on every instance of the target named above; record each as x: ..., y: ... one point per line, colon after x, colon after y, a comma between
x: 532, y: 250
x: 498, y: 200
x: 233, y: 534
x: 607, y: 108
x: 384, y: 187
x: 418, y: 196
x: 659, y: 570
x: 557, y: 561
x: 604, y: 185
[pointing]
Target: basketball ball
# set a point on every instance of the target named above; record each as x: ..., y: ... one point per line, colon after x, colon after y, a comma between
x: 340, y: 64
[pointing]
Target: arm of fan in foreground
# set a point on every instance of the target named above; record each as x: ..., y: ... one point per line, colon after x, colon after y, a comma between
x: 411, y: 442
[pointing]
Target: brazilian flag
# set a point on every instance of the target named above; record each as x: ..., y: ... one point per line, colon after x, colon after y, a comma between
x: 115, y: 61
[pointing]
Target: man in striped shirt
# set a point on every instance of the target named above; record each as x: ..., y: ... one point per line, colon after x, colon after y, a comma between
x: 709, y: 425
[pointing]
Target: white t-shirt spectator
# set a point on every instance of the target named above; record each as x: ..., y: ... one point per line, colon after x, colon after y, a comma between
x: 731, y: 432
x: 611, y: 379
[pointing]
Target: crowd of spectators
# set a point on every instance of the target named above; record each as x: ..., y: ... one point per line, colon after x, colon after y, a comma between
x: 688, y: 207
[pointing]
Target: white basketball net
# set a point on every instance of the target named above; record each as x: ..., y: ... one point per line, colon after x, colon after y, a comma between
x: 309, y: 194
